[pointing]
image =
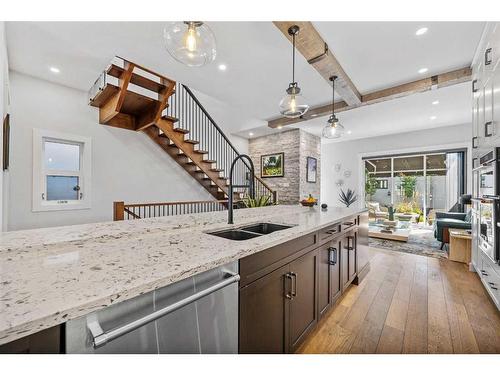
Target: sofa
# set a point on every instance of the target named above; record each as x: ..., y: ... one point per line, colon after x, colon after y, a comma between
x: 450, y: 220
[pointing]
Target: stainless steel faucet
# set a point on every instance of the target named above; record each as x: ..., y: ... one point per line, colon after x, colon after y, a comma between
x: 250, y: 186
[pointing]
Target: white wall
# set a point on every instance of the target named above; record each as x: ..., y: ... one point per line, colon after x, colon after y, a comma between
x: 126, y: 165
x: 349, y: 153
x: 4, y: 107
x: 226, y: 118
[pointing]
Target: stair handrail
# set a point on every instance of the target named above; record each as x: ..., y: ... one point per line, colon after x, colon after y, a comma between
x: 190, y: 93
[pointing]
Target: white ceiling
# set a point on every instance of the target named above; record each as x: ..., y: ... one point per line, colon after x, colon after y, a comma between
x: 377, y: 55
x: 258, y: 58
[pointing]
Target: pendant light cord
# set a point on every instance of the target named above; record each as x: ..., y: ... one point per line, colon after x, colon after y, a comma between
x: 333, y: 96
x: 293, y: 58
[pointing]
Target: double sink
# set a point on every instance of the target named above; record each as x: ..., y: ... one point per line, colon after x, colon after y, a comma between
x: 250, y: 231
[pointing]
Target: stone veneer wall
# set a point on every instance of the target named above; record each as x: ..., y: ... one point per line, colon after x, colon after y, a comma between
x: 297, y: 145
x: 310, y: 145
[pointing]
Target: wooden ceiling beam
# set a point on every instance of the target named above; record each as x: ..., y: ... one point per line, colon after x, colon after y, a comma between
x: 434, y: 82
x: 315, y: 50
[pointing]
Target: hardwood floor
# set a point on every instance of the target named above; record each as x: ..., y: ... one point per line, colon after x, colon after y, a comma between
x: 410, y: 304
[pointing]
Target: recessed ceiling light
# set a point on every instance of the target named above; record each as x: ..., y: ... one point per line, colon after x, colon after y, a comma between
x: 435, y: 102
x: 433, y: 117
x: 222, y: 67
x: 421, y: 31
x: 250, y: 134
x: 53, y: 69
x: 349, y: 132
x: 279, y: 126
x: 423, y: 70
x: 314, y: 115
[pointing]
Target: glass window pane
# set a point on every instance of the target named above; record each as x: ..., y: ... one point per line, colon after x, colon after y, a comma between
x: 62, y: 188
x: 436, y: 161
x: 62, y: 156
x: 379, y: 165
x: 408, y: 163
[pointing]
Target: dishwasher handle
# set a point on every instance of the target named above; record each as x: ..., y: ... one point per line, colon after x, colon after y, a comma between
x: 100, y: 338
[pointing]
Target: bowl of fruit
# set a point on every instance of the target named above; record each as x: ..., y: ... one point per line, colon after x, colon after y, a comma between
x: 309, y: 202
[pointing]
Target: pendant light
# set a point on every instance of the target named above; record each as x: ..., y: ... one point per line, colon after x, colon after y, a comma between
x: 190, y: 42
x: 333, y: 129
x: 293, y: 104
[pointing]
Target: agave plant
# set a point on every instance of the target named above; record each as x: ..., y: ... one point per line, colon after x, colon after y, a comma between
x: 348, y: 197
x: 263, y: 200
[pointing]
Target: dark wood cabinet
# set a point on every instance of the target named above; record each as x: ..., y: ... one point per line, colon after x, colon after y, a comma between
x: 348, y: 258
x: 285, y: 290
x: 263, y: 305
x: 351, y: 247
x: 329, y: 280
x: 303, y: 312
x: 278, y: 310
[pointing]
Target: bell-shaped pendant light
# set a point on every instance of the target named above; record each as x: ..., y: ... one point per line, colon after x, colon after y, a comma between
x: 190, y: 42
x: 293, y: 104
x: 333, y: 129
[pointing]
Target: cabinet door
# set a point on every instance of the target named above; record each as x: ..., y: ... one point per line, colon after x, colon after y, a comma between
x: 488, y: 127
x: 303, y: 313
x: 329, y: 275
x: 263, y: 304
x: 474, y: 243
x: 496, y: 100
x: 480, y: 117
x: 351, y: 247
x: 344, y: 262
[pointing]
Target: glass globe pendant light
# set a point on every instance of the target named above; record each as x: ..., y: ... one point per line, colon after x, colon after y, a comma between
x: 333, y: 129
x: 190, y: 42
x: 293, y: 104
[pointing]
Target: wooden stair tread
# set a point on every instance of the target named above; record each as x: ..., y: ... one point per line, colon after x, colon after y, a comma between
x: 192, y: 141
x: 103, y: 95
x: 209, y: 161
x: 171, y: 119
x: 201, y: 152
x: 137, y: 79
x: 216, y: 170
x: 180, y: 130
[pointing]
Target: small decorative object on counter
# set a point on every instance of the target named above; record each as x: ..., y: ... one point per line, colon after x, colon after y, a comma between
x: 324, y: 207
x: 348, y: 197
x: 309, y: 202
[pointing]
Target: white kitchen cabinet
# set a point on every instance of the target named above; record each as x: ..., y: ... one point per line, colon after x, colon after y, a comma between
x: 487, y: 127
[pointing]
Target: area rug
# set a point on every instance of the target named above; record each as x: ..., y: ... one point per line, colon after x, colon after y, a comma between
x: 421, y: 242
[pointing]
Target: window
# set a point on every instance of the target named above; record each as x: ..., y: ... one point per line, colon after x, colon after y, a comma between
x: 61, y: 171
x: 422, y: 183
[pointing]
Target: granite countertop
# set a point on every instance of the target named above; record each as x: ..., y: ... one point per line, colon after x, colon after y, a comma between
x: 51, y: 275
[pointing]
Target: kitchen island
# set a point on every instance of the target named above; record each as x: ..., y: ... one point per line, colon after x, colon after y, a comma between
x: 53, y: 275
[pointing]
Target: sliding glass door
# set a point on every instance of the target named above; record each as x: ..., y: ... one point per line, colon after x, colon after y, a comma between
x: 417, y: 185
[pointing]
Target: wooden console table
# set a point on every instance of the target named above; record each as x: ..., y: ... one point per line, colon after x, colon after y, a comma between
x: 460, y: 246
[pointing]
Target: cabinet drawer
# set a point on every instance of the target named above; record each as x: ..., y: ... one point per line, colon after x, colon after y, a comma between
x: 330, y: 232
x: 348, y: 224
x: 491, y: 279
x: 260, y: 264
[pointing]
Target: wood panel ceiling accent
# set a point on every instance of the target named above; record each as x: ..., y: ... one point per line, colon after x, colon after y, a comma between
x: 433, y: 82
x: 312, y: 46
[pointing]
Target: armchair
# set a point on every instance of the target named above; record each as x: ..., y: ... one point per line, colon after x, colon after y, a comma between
x: 446, y: 220
x: 375, y: 211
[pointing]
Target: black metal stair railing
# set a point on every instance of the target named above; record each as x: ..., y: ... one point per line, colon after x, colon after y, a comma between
x: 192, y: 116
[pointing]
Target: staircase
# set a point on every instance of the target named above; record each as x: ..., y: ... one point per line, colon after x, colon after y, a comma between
x: 132, y: 97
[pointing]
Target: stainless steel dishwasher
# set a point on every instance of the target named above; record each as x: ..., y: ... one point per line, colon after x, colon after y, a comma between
x: 195, y: 315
